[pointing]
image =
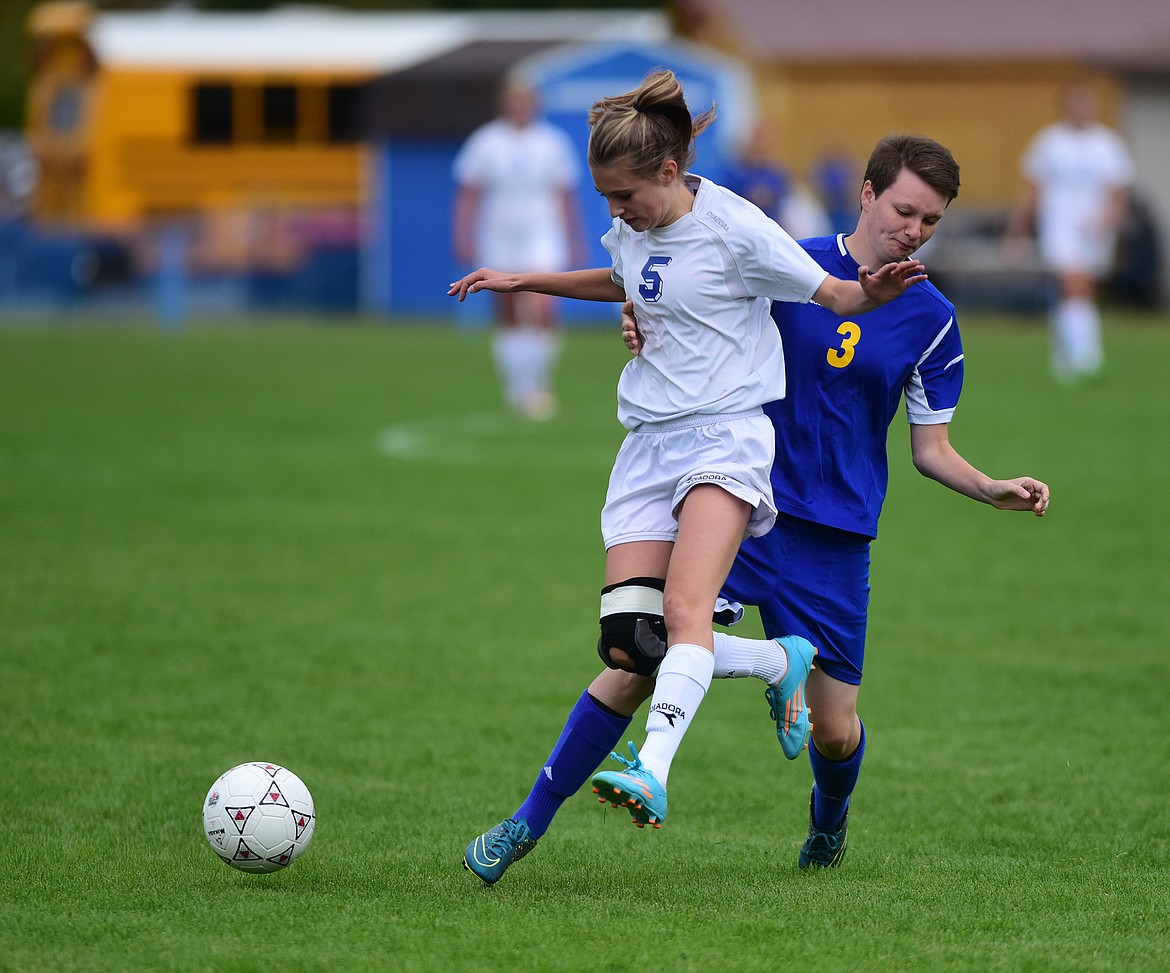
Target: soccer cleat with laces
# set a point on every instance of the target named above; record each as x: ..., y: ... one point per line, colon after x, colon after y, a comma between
x: 635, y: 789
x: 823, y: 849
x: 493, y: 851
x: 787, y: 699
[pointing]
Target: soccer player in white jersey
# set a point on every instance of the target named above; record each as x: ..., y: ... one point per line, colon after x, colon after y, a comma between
x: 701, y: 267
x: 1078, y: 172
x: 516, y: 209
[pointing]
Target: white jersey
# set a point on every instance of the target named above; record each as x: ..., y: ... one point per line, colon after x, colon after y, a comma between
x: 522, y: 173
x: 702, y: 289
x: 1074, y: 171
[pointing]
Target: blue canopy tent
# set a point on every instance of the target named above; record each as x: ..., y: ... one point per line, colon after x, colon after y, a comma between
x: 417, y: 119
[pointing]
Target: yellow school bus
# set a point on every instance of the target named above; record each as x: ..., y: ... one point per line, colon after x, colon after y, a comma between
x: 247, y: 128
x: 228, y: 121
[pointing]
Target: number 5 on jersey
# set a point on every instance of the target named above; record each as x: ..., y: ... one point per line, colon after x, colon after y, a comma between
x: 651, y: 287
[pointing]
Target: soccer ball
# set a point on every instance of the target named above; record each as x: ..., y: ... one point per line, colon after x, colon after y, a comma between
x: 259, y: 817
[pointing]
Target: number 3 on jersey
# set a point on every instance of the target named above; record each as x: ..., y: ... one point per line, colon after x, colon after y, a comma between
x: 851, y: 334
x: 651, y: 288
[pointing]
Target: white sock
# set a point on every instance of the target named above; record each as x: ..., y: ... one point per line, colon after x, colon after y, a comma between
x: 508, y: 350
x: 1084, y: 336
x: 525, y: 357
x: 679, y: 688
x: 1078, y: 338
x: 737, y: 657
x: 544, y: 347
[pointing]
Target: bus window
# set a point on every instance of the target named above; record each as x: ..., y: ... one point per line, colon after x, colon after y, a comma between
x: 213, y: 111
x: 344, y: 113
x: 279, y: 107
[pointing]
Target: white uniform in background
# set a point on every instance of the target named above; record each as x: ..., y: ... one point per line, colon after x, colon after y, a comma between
x: 1076, y: 171
x: 522, y: 174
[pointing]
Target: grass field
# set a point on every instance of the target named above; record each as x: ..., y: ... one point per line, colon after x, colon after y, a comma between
x: 326, y: 546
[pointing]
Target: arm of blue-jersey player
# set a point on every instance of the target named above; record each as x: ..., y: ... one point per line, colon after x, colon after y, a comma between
x: 934, y: 456
x: 595, y: 284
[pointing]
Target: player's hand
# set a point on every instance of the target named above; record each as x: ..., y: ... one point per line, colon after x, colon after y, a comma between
x: 1021, y: 493
x: 891, y: 280
x: 484, y: 279
x: 630, y: 333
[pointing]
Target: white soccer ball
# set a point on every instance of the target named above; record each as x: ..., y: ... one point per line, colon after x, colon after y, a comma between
x: 259, y: 817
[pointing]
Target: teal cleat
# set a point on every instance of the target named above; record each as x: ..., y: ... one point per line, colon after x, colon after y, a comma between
x: 823, y: 849
x: 493, y: 851
x: 635, y: 789
x: 787, y: 699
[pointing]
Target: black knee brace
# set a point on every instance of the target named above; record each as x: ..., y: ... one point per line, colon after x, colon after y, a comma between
x: 631, y: 620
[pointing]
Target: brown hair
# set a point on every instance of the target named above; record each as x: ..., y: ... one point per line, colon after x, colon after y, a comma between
x: 643, y: 128
x: 926, y: 158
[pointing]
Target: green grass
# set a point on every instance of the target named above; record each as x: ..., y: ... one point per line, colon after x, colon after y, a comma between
x: 325, y: 545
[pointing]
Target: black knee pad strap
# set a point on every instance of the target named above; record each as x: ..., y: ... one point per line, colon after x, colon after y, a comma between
x: 631, y: 620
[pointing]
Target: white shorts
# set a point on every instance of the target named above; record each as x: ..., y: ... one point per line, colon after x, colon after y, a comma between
x: 538, y: 250
x: 1073, y: 246
x: 659, y: 462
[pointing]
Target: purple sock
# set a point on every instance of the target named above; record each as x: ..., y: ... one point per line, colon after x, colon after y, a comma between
x: 834, y: 781
x: 589, y: 734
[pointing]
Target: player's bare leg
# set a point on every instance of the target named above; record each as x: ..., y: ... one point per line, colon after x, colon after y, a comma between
x: 712, y: 523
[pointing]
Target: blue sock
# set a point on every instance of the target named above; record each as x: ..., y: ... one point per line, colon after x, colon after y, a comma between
x: 833, y: 783
x: 589, y: 734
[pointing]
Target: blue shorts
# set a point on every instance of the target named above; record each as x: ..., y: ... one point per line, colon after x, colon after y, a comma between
x: 811, y: 580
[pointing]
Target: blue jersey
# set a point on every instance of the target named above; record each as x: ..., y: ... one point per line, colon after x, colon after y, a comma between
x: 845, y: 379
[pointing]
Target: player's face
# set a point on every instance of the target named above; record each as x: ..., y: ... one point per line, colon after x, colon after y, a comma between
x: 900, y: 220
x: 518, y: 105
x: 640, y: 202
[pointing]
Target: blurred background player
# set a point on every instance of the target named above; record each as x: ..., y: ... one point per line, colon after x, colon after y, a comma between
x: 1077, y: 173
x: 835, y: 175
x: 516, y: 210
x: 758, y: 176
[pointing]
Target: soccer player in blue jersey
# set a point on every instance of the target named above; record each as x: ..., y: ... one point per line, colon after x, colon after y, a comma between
x: 810, y: 573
